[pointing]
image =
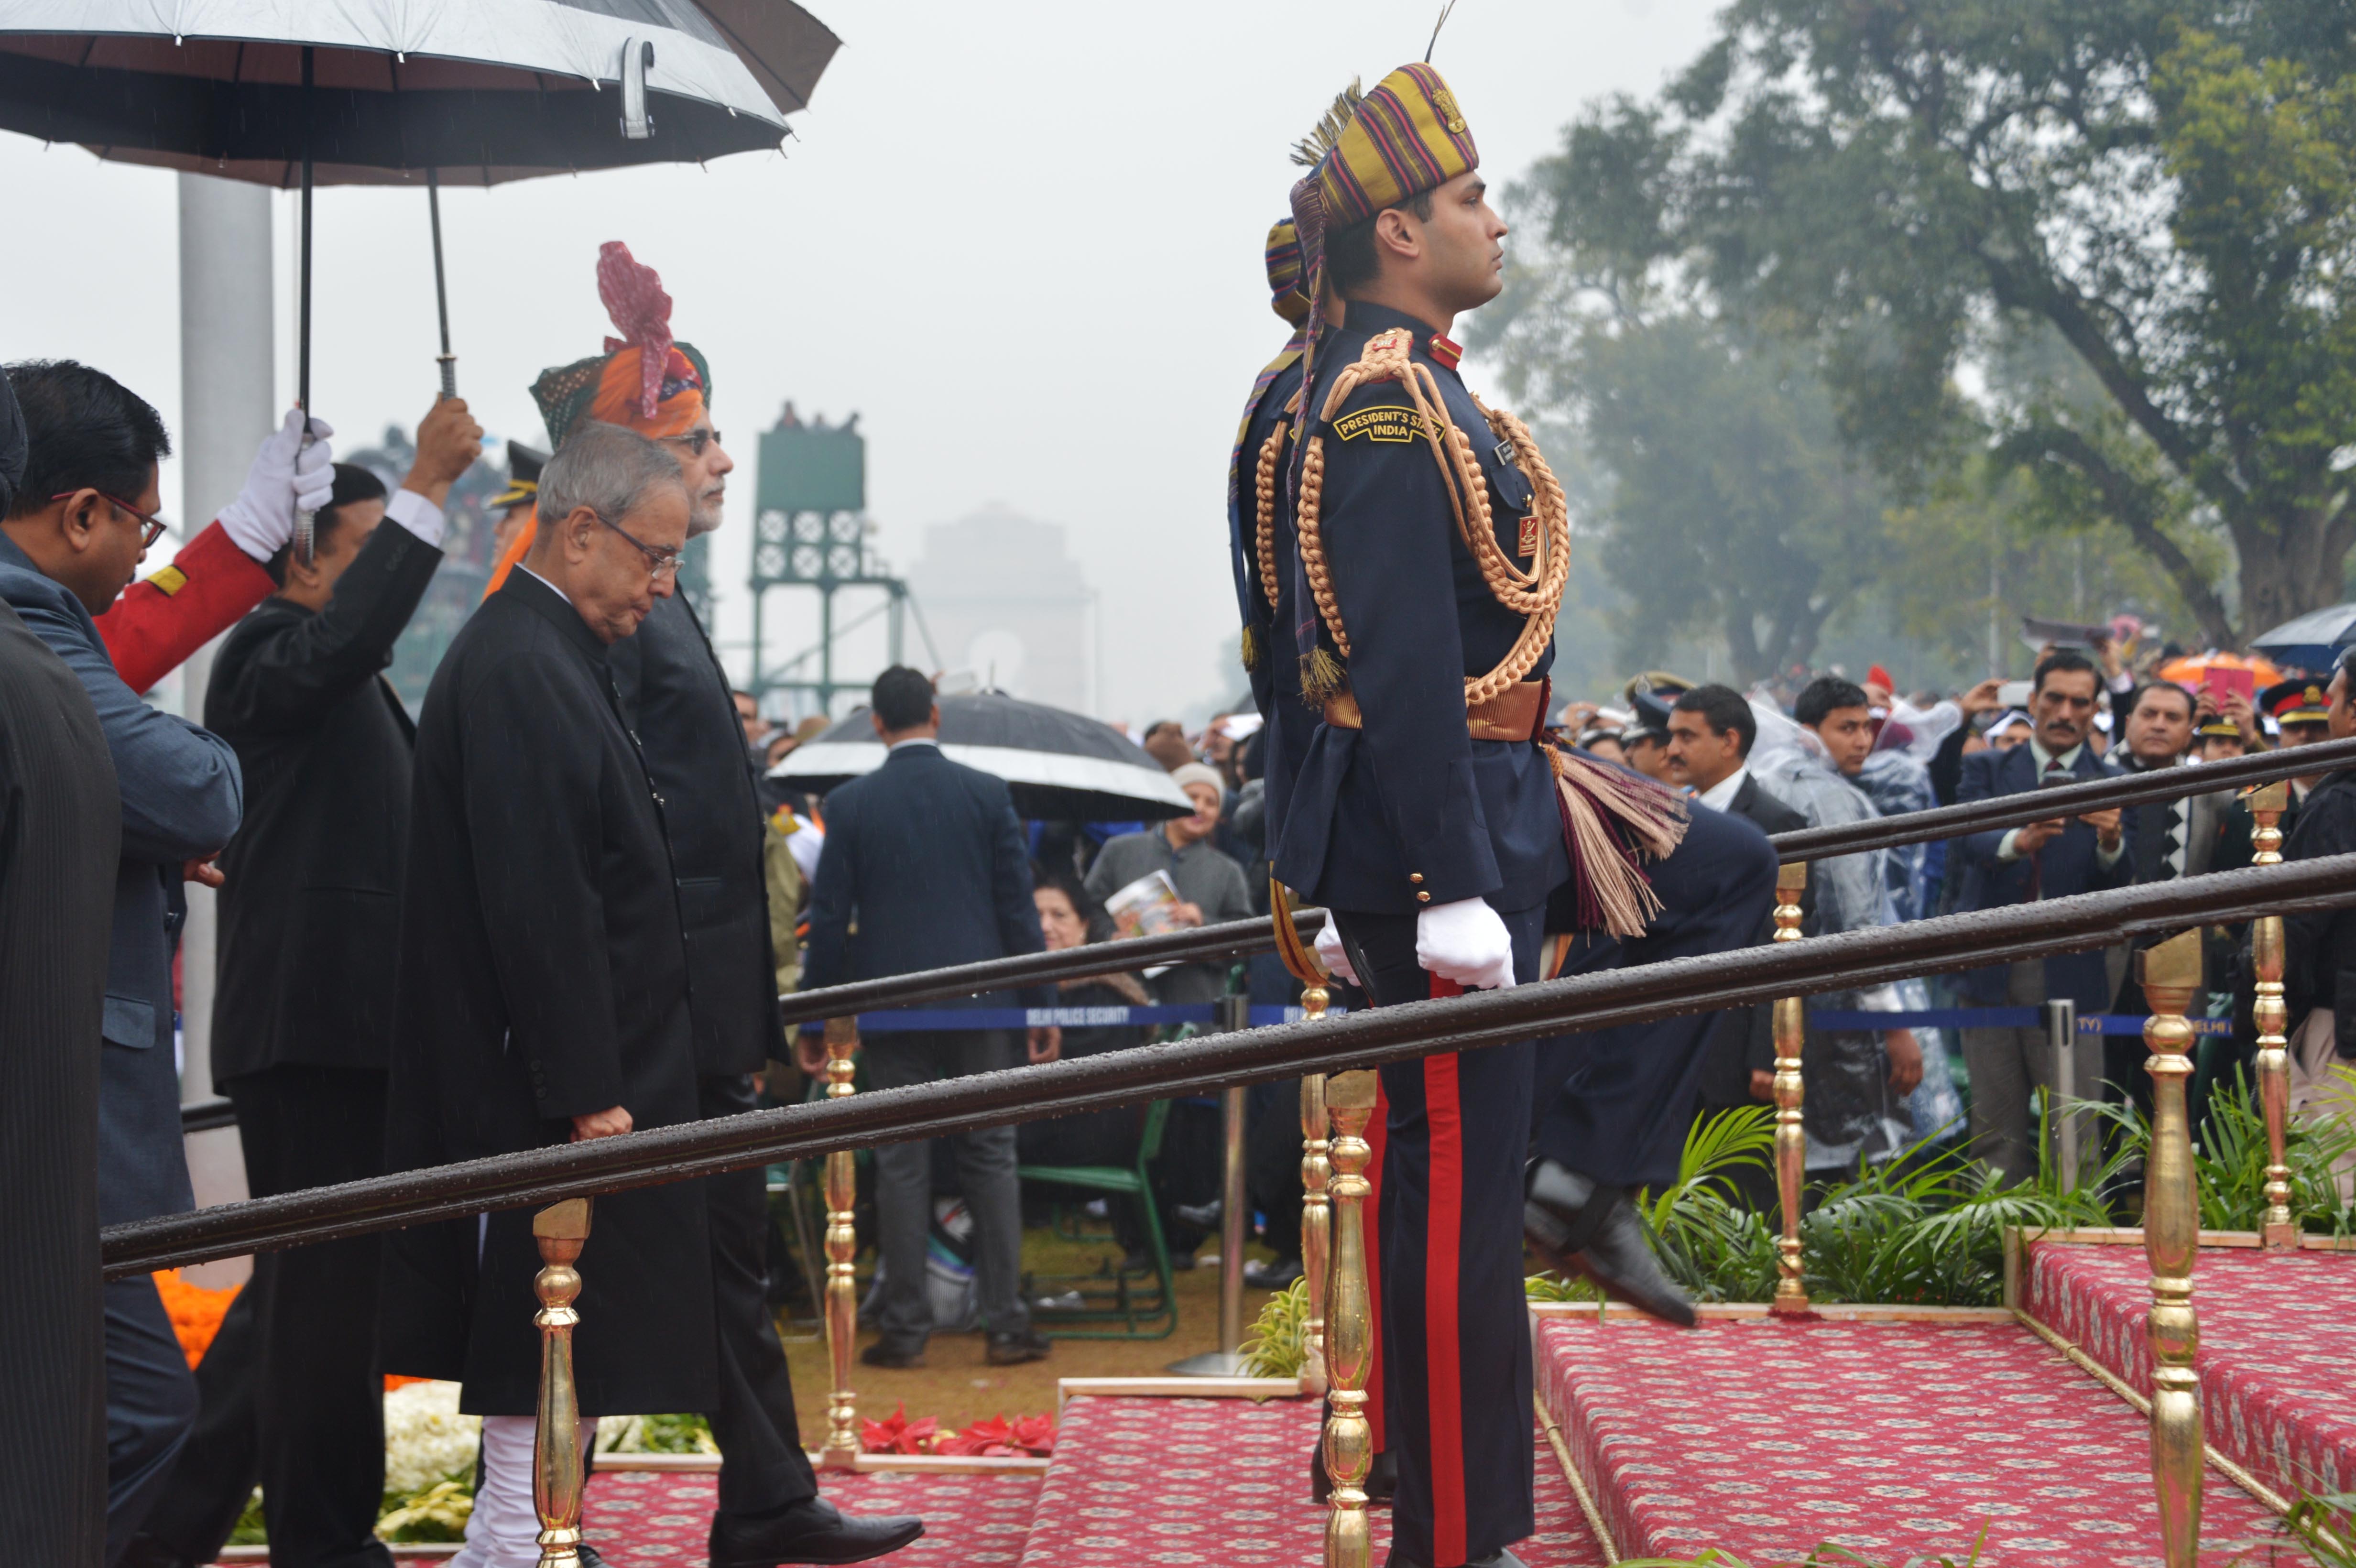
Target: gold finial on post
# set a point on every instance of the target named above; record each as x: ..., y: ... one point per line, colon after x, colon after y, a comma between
x: 1349, y: 1325
x: 842, y: 1450
x: 1791, y: 1135
x: 561, y: 1230
x: 2171, y: 1236
x: 2278, y: 1230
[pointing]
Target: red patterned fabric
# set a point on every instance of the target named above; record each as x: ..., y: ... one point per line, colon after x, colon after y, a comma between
x: 640, y: 310
x: 1767, y: 1439
x: 2277, y: 1341
x: 1223, y: 1483
x: 640, y: 1517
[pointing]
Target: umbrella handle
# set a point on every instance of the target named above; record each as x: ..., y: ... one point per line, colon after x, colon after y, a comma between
x: 307, y: 517
x: 448, y: 360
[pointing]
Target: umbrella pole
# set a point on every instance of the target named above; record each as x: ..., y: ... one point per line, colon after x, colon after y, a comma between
x: 440, y: 289
x: 302, y: 518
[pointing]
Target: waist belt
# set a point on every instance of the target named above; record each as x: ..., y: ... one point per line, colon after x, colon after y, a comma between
x: 1513, y: 714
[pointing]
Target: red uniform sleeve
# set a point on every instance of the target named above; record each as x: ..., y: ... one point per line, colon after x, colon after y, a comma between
x: 161, y: 620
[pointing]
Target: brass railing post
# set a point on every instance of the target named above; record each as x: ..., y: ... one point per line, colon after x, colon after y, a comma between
x: 2171, y: 1234
x: 2279, y: 1231
x: 1349, y: 1324
x: 842, y: 1450
x: 1791, y: 1134
x: 562, y: 1230
x: 1316, y: 1206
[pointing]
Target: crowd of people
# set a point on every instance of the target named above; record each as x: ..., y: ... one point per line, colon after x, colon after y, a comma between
x: 559, y: 904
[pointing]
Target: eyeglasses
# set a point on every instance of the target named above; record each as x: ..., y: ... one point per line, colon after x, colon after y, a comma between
x: 666, y: 561
x: 696, y: 440
x: 151, y: 527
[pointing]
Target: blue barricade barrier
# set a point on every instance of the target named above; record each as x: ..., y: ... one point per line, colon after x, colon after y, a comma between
x: 906, y: 1018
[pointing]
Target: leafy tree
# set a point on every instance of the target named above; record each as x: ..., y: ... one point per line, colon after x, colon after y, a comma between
x: 2163, y: 185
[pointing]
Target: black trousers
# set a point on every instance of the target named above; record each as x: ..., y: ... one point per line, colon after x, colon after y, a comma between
x: 151, y: 1404
x: 1456, y: 1384
x: 291, y: 1395
x: 1615, y: 1104
x: 762, y: 1465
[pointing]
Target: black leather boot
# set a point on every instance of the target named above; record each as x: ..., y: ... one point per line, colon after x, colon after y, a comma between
x: 1586, y: 1227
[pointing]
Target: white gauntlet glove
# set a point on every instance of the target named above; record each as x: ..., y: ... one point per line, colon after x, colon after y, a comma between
x: 1465, y: 942
x: 1332, y: 954
x: 286, y: 476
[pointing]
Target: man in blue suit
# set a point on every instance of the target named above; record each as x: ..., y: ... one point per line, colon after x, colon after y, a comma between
x: 79, y: 527
x: 2020, y: 865
x: 925, y: 866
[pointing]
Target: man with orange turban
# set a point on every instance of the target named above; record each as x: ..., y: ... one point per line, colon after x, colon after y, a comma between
x: 677, y: 701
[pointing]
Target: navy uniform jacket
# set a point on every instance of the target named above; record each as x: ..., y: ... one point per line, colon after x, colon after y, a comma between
x: 924, y: 866
x: 1275, y: 678
x: 1411, y: 794
x: 182, y: 798
x: 2067, y: 864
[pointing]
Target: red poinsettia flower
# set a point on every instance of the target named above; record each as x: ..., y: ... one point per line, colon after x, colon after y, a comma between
x: 898, y: 1435
x: 1033, y: 1436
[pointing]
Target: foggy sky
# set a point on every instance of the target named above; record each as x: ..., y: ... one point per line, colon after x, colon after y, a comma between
x: 1023, y: 241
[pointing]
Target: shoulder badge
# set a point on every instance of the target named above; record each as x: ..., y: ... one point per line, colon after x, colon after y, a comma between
x: 169, y: 581
x: 1390, y: 422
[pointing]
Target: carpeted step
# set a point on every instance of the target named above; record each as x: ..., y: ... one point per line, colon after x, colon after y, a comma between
x: 2277, y: 1342
x: 649, y: 1517
x: 1767, y: 1439
x: 1223, y: 1482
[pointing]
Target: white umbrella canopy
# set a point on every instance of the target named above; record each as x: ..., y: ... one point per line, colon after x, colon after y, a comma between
x: 1059, y: 766
x: 480, y: 91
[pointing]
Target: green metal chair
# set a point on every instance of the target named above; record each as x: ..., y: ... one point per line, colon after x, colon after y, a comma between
x: 1114, y: 1294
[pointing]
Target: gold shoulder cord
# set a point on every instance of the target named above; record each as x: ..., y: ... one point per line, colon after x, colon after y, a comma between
x: 1534, y: 594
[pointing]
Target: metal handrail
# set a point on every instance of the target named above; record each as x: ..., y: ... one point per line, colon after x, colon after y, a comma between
x: 1244, y: 938
x: 1217, y: 1061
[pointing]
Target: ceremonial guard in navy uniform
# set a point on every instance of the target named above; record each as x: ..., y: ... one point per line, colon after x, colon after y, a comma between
x: 1430, y: 811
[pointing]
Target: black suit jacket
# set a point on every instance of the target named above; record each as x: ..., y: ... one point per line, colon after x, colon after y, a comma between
x: 924, y: 866
x: 61, y: 833
x: 310, y: 926
x: 542, y: 977
x: 674, y: 694
x: 1744, y: 1040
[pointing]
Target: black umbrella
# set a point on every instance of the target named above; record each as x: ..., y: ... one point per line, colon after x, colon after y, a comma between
x: 1060, y: 766
x: 383, y: 92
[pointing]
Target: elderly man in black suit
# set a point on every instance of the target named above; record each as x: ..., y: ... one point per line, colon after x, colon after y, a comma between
x: 61, y: 834
x: 925, y: 859
x: 2011, y: 865
x: 1712, y: 731
x: 79, y: 527
x: 289, y: 1394
x: 543, y: 994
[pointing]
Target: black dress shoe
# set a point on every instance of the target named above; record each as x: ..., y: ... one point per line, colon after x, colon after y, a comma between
x: 1587, y: 1227
x: 810, y: 1532
x: 884, y: 1353
x: 1014, y: 1348
x: 1398, y: 1559
x: 1381, y: 1482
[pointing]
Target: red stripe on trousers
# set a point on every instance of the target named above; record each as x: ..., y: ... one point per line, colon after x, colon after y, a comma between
x: 1378, y: 1141
x: 1444, y: 1236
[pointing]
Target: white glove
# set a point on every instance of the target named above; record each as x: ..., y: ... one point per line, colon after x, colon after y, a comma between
x: 286, y: 476
x: 1465, y: 942
x: 1332, y: 954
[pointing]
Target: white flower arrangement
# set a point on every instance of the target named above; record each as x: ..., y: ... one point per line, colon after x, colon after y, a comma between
x: 425, y: 1439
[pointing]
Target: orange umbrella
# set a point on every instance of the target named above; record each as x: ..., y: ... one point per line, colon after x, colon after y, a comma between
x: 2193, y: 668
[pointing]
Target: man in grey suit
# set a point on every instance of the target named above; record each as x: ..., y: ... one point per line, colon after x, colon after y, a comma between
x: 60, y: 831
x: 924, y: 866
x: 70, y: 543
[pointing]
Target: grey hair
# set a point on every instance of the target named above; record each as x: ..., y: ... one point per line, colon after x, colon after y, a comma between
x: 605, y: 468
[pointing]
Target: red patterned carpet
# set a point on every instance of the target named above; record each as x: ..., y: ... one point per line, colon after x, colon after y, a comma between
x: 1221, y: 1482
x: 637, y: 1517
x: 1768, y: 1438
x: 2278, y: 1343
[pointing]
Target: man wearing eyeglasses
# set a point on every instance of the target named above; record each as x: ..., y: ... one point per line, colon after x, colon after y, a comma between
x: 80, y: 524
